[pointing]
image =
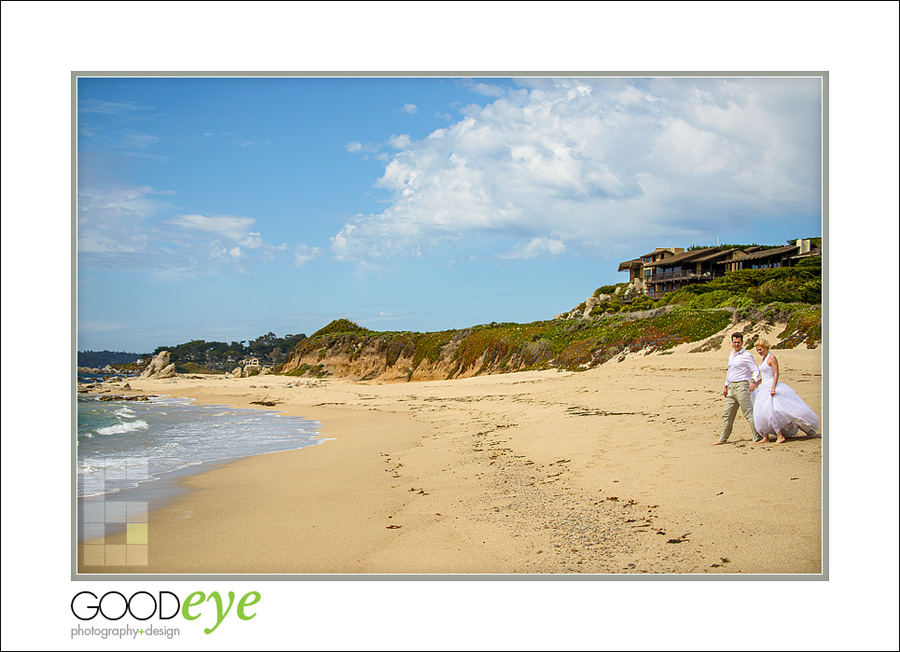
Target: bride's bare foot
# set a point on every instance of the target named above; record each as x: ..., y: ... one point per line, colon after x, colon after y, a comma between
x: 781, y: 439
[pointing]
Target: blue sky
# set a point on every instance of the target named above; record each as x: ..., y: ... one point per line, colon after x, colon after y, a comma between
x: 222, y: 208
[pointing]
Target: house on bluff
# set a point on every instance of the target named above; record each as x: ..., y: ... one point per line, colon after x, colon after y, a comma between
x: 665, y: 270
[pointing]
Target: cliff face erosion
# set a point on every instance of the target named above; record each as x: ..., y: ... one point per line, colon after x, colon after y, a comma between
x: 348, y: 351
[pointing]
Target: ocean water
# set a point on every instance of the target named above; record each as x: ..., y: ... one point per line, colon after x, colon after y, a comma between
x: 96, y: 378
x: 124, y: 444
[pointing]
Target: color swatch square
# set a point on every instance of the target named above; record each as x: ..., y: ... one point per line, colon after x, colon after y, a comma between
x: 136, y: 533
x: 115, y: 555
x: 137, y: 555
x: 116, y: 512
x: 94, y: 555
x: 94, y: 512
x: 94, y: 533
x: 136, y: 512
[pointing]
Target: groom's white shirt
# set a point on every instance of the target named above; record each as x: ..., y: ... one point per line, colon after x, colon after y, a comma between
x: 741, y: 366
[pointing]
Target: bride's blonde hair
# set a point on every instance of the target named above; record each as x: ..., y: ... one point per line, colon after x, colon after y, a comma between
x: 764, y: 343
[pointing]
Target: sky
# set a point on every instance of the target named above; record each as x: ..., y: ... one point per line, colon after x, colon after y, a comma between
x: 223, y: 208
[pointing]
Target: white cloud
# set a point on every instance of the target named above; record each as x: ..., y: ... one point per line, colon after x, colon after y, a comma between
x: 586, y: 164
x: 119, y: 227
x: 111, y: 217
x: 488, y: 90
x: 231, y: 227
x: 400, y: 142
x: 364, y: 149
x: 138, y: 140
x: 304, y: 253
x: 395, y: 141
x: 409, y: 108
x: 144, y: 155
x: 535, y: 248
x: 123, y: 108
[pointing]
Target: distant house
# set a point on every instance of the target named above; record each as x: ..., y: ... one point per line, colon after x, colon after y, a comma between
x: 669, y: 269
x: 637, y: 276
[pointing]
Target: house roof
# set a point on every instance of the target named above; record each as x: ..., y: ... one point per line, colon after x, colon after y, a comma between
x: 629, y: 264
x: 686, y: 256
x: 707, y: 254
x: 658, y: 250
x: 716, y: 254
x: 767, y: 253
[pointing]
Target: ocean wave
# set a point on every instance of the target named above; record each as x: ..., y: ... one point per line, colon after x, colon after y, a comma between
x: 126, y: 413
x: 122, y: 428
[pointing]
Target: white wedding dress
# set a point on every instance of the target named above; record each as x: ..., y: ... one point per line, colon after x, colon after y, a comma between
x: 785, y: 412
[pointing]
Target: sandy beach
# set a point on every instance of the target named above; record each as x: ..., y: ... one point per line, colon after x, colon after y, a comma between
x: 605, y: 471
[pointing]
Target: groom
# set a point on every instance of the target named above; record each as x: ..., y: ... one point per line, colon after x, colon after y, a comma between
x: 741, y: 368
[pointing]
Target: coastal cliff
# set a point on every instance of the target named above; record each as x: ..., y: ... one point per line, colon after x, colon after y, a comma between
x: 346, y: 350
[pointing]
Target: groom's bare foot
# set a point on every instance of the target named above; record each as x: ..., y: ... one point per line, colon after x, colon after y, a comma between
x: 719, y: 442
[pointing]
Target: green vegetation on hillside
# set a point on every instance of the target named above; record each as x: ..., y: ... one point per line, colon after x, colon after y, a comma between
x: 200, y: 356
x: 341, y: 326
x: 493, y: 348
x: 99, y: 359
x: 800, y: 284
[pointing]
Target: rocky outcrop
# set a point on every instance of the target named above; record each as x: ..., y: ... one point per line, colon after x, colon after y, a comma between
x: 107, y: 370
x: 159, y: 367
x: 583, y: 311
x: 123, y: 397
x: 248, y: 370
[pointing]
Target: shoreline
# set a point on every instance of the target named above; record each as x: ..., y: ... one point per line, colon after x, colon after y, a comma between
x: 606, y: 471
x: 169, y: 485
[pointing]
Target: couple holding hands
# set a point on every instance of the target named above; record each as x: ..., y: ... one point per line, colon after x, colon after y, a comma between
x: 770, y: 407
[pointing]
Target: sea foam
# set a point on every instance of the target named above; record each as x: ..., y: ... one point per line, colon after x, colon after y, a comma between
x: 122, y: 428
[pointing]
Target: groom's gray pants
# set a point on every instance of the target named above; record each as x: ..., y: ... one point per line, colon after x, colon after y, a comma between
x: 738, y: 396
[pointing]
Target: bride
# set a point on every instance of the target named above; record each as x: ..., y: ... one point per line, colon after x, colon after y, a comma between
x: 777, y: 409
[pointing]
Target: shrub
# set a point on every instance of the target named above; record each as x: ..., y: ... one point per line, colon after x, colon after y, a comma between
x: 341, y: 326
x: 606, y: 289
x: 811, y: 291
x: 709, y: 300
x: 643, y: 302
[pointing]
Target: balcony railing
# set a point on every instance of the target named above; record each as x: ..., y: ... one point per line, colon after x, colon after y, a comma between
x: 683, y: 275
